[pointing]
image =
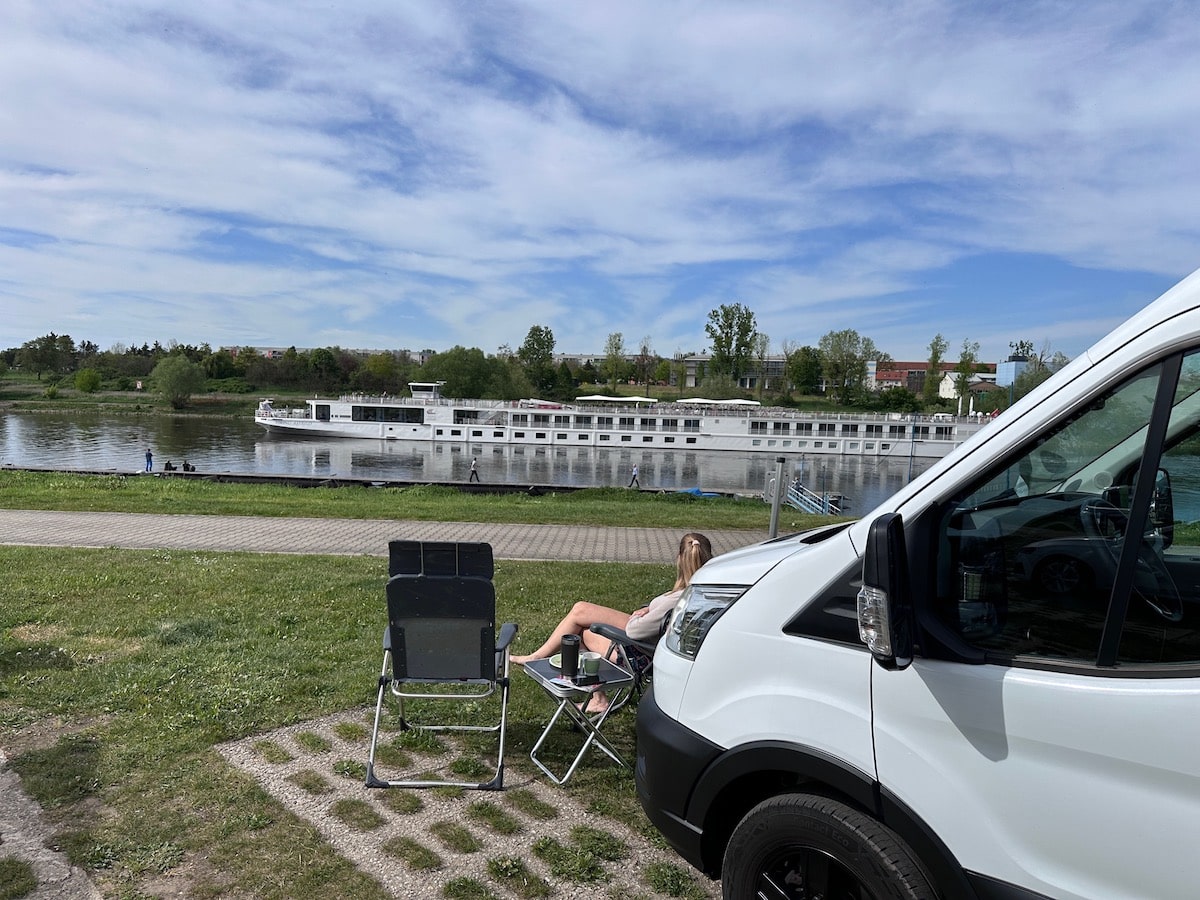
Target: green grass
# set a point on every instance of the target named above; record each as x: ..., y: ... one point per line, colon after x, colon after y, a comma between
x: 455, y: 837
x: 593, y: 506
x: 17, y: 878
x: 416, y: 855
x: 100, y: 646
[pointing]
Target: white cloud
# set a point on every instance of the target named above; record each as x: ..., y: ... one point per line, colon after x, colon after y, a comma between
x: 434, y: 174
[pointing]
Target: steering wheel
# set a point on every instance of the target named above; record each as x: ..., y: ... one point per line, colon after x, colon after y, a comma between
x: 1152, y: 582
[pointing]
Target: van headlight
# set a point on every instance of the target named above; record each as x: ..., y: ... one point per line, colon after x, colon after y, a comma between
x: 699, y: 607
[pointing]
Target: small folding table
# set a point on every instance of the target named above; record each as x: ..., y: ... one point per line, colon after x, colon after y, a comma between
x: 617, y: 682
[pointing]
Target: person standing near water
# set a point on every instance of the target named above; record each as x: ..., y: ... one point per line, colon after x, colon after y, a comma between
x: 634, y: 479
x: 149, y: 460
x: 474, y: 471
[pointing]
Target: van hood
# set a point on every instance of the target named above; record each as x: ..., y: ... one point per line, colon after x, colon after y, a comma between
x: 748, y: 564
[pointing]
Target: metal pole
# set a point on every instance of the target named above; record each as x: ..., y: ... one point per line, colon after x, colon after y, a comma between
x: 777, y: 500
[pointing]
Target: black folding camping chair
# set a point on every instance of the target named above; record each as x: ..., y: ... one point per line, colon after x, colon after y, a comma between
x: 441, y: 644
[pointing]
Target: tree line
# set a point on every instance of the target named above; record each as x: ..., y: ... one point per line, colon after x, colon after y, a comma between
x: 837, y: 367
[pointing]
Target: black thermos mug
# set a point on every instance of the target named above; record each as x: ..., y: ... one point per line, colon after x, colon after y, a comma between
x: 570, y: 655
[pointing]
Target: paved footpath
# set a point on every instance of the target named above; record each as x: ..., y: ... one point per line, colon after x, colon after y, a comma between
x: 350, y: 537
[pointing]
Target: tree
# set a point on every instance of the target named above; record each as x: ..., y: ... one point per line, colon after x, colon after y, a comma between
x: 46, y: 354
x: 968, y: 365
x: 761, y: 345
x: 614, y: 358
x: 465, y: 371
x: 537, y: 356
x: 177, y: 378
x: 645, y: 361
x: 731, y: 329
x: 87, y: 380
x: 933, y: 373
x: 804, y: 370
x: 844, y: 358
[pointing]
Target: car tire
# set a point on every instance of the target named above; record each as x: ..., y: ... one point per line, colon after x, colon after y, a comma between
x: 802, y: 846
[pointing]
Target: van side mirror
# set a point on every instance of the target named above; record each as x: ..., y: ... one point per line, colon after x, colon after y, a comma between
x: 885, y: 613
x: 1162, y: 508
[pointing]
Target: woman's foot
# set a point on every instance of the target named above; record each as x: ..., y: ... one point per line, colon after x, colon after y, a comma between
x: 596, y: 705
x: 521, y: 660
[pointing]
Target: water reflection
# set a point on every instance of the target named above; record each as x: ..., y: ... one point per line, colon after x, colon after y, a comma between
x: 92, y: 440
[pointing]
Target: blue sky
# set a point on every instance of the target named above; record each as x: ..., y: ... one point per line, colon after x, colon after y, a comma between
x: 424, y: 174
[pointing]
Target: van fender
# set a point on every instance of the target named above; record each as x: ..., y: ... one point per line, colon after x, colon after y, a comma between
x: 744, y: 776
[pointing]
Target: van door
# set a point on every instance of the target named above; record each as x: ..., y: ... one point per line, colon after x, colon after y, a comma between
x: 1048, y: 731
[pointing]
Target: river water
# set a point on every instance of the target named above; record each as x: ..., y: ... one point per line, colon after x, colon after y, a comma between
x: 108, y: 441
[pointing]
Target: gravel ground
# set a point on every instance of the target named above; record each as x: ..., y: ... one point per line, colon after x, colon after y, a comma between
x: 366, y: 848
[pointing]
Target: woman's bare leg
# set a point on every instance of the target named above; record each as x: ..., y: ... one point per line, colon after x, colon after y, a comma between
x: 581, y: 617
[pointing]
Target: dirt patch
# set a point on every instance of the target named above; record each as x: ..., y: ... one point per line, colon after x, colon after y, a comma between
x: 26, y: 835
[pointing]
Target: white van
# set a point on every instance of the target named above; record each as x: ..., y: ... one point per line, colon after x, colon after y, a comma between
x: 987, y: 688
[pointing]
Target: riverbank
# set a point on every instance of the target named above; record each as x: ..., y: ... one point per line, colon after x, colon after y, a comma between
x: 25, y: 489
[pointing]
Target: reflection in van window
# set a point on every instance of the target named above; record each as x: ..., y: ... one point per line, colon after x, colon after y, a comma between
x: 1031, y: 553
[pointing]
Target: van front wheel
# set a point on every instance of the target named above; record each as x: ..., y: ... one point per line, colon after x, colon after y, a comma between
x: 801, y: 847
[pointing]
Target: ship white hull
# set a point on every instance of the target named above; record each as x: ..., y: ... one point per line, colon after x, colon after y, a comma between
x: 663, y: 427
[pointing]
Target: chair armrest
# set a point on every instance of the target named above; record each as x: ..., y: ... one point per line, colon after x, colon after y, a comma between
x: 508, y: 631
x: 619, y: 636
x: 387, y: 638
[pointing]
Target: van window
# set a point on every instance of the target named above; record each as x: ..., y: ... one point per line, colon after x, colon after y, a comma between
x: 1028, y: 557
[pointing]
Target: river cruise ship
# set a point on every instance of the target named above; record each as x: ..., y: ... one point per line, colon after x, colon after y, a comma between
x: 619, y: 422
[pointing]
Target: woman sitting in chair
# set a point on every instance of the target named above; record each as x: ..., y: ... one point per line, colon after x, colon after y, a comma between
x: 643, y: 624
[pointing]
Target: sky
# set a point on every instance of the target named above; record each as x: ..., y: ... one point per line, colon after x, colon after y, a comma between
x: 408, y: 175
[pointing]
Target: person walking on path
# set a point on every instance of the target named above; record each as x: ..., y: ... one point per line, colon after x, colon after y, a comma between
x: 634, y: 479
x: 149, y: 460
x: 474, y: 470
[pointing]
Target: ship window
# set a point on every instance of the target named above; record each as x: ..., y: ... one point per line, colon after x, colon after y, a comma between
x: 583, y: 437
x: 691, y: 425
x: 818, y: 443
x: 646, y: 439
x: 689, y: 440
x: 781, y: 427
x: 562, y: 421
x: 833, y: 445
x: 758, y: 427
x: 849, y: 429
x: 854, y: 445
x: 627, y: 437
x: 626, y: 423
x: 440, y: 432
x: 497, y: 434
x: 604, y: 421
x: 647, y: 424
x: 583, y: 421
x: 455, y: 432
x: 756, y: 442
x: 606, y: 437
x: 516, y: 434
x: 869, y: 445
x: 539, y: 435
x: 668, y: 440
x: 801, y: 443
x: 804, y: 428
x: 560, y: 436
x: 322, y: 412
x: 943, y: 432
x: 670, y: 425
x: 477, y: 433
x: 520, y: 419
x: 885, y: 446
x: 541, y: 419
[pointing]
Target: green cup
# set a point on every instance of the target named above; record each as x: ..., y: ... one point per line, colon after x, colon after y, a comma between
x: 589, y: 663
